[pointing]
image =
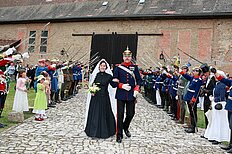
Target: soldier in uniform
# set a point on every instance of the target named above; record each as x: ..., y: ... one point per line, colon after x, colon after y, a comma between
x: 71, y: 84
x: 182, y: 83
x: 192, y: 95
x: 3, y: 93
x: 66, y: 80
x: 127, y: 79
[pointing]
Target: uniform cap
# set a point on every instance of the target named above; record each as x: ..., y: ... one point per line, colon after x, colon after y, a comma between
x: 127, y: 52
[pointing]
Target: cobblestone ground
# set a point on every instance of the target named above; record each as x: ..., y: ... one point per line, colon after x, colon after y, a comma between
x: 152, y: 132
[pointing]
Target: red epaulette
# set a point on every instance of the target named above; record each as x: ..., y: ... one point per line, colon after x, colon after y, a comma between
x: 145, y: 73
x: 117, y: 64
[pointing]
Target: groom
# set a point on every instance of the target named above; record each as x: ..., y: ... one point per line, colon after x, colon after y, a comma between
x: 127, y: 80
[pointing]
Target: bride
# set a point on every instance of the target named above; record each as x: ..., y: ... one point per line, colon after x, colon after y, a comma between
x: 101, y: 106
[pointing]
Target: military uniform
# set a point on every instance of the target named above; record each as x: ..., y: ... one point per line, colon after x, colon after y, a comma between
x: 173, y: 93
x: 3, y: 91
x: 182, y: 84
x: 129, y: 80
x: 158, y: 84
x: 65, y: 84
x: 71, y: 84
x: 190, y: 97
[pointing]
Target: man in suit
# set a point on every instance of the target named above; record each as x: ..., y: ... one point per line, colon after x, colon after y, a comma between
x: 208, y: 89
x: 127, y: 79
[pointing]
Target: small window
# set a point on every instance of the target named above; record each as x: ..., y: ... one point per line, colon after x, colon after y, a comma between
x: 44, y: 41
x: 31, y: 44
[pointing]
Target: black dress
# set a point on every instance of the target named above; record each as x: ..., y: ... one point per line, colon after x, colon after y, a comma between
x: 100, y: 121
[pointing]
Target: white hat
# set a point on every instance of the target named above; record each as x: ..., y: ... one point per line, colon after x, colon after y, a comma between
x: 40, y: 77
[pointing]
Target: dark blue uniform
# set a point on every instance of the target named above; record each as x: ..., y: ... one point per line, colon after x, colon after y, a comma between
x: 124, y: 78
x: 192, y: 93
x: 159, y: 84
x: 229, y: 100
x: 125, y: 97
x: 193, y: 88
x: 173, y: 92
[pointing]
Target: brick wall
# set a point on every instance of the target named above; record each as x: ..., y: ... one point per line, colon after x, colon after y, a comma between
x: 207, y: 40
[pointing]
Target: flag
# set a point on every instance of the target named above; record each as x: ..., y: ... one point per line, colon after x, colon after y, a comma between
x: 188, y: 64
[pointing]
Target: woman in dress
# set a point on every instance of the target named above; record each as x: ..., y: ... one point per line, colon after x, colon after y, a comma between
x: 101, y: 106
x: 20, y: 99
x: 218, y: 129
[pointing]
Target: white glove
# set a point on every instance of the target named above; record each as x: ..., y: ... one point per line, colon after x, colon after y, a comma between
x: 127, y: 87
x: 9, y: 51
x: 135, y: 93
x: 115, y: 80
x: 164, y: 72
x: 53, y: 65
x: 211, y: 98
x: 176, y: 97
x: 16, y: 57
x: 25, y: 55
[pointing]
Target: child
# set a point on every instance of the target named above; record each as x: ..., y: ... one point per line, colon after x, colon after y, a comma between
x: 47, y: 84
x: 40, y: 104
x: 20, y: 99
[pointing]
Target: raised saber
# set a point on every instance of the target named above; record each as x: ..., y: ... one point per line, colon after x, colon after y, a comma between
x: 190, y: 56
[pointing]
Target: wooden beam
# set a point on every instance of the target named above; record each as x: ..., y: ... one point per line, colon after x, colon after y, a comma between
x: 149, y: 34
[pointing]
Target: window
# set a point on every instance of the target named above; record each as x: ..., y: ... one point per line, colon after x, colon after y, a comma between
x: 44, y: 41
x: 31, y: 44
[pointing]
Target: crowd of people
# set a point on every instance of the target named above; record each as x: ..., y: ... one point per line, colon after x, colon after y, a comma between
x: 176, y: 90
x: 53, y: 81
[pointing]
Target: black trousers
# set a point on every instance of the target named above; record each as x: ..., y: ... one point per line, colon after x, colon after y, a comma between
x: 130, y: 112
x: 162, y: 95
x: 2, y: 99
x: 71, y: 88
x: 207, y: 104
x: 145, y: 91
x: 193, y: 114
x: 57, y: 94
x: 154, y: 96
x: 174, y: 106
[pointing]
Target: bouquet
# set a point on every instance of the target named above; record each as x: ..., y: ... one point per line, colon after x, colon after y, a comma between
x: 94, y: 88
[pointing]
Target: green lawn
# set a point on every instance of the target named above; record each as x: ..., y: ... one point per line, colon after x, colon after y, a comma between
x: 9, y: 104
x: 200, y: 119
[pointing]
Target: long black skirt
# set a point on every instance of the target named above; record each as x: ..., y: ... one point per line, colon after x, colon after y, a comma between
x: 100, y: 122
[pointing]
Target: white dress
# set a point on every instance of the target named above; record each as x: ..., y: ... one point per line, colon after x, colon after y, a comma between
x: 20, y: 99
x: 218, y: 128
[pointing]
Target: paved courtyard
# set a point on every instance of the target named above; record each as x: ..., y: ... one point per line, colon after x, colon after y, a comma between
x: 152, y: 132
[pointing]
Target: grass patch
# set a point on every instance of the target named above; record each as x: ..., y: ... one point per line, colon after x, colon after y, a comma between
x: 200, y: 118
x: 9, y: 104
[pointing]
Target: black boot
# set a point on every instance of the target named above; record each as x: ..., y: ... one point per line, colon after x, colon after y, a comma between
x: 1, y: 125
x: 190, y: 130
x: 119, y: 139
x: 1, y: 110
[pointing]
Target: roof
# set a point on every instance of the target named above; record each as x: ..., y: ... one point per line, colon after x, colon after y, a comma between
x: 117, y: 9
